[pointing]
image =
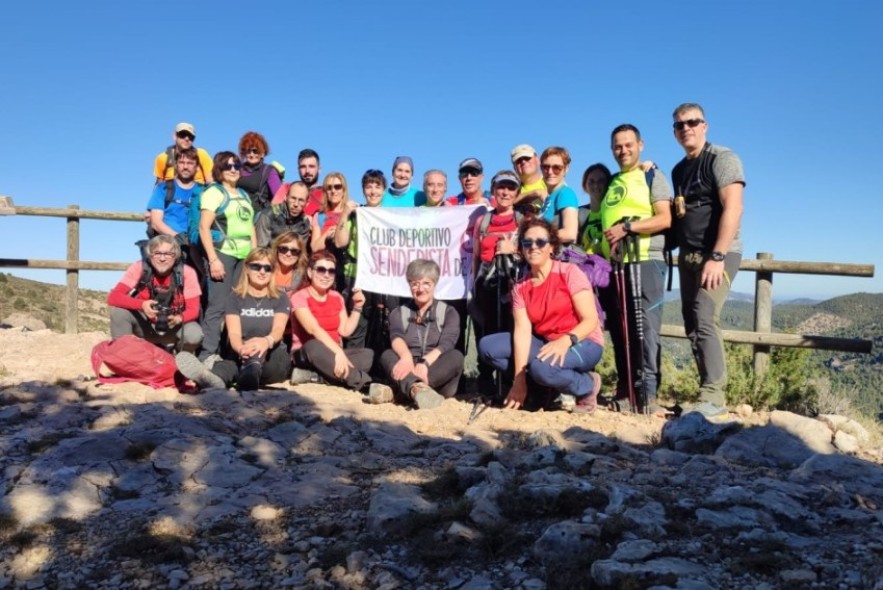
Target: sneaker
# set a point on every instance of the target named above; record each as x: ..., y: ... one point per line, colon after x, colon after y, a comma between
x: 588, y: 403
x: 565, y: 402
x: 249, y: 378
x: 210, y: 360
x: 379, y: 393
x: 425, y: 397
x: 707, y: 409
x: 300, y: 376
x: 196, y: 371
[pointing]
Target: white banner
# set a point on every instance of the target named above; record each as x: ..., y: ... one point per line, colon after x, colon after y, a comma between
x: 391, y: 238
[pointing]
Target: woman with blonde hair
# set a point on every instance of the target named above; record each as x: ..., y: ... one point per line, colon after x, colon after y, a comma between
x: 336, y: 206
x: 255, y: 316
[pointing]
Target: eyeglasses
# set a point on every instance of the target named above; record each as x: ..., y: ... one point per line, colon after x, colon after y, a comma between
x: 679, y: 125
x: 324, y: 270
x: 553, y: 168
x: 527, y: 243
x: 185, y: 135
x: 233, y: 166
x: 333, y: 187
x: 469, y: 172
x: 258, y: 267
x: 287, y: 250
x: 426, y: 285
x: 162, y: 255
x: 255, y: 151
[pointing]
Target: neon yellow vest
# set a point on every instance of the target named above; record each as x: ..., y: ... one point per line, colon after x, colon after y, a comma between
x: 627, y: 196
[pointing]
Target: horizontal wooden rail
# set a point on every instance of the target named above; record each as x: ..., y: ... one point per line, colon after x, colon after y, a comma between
x: 779, y: 339
x: 809, y: 268
x: 79, y: 214
x: 63, y: 264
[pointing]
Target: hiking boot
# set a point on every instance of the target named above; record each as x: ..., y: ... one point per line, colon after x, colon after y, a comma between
x: 301, y: 376
x: 249, y: 378
x: 588, y: 403
x: 196, y: 371
x: 425, y: 397
x: 379, y: 393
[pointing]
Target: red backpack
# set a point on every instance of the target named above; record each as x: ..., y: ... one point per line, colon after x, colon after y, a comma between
x: 135, y: 359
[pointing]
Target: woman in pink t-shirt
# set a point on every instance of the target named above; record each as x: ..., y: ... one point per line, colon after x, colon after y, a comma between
x: 557, y: 339
x: 319, y: 323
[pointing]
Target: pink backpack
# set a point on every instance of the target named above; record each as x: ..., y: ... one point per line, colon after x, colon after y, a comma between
x: 135, y: 359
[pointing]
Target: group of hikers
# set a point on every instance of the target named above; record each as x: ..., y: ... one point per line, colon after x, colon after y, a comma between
x: 250, y: 280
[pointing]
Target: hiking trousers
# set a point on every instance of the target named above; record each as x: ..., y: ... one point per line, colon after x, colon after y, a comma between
x: 444, y: 374
x: 572, y: 377
x: 701, y: 309
x: 218, y: 292
x: 275, y: 367
x: 315, y: 355
x: 125, y: 322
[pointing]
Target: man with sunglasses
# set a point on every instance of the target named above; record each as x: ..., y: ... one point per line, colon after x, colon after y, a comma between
x: 164, y: 164
x: 471, y: 174
x: 635, y: 212
x: 709, y: 182
x: 527, y: 164
x: 287, y: 216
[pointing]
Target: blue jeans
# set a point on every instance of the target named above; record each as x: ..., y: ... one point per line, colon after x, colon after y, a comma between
x: 571, y: 377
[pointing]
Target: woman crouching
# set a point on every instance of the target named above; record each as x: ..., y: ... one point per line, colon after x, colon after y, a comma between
x: 557, y: 339
x: 423, y: 364
x: 255, y: 316
x: 319, y: 324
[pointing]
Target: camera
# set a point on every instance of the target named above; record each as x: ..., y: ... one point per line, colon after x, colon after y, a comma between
x: 162, y: 318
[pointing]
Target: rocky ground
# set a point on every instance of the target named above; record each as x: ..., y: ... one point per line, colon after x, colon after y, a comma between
x: 308, y: 487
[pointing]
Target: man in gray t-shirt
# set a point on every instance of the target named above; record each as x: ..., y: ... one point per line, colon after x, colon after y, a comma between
x: 709, y: 182
x: 636, y: 210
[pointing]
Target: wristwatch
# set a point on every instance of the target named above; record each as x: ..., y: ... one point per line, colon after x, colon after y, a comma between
x: 627, y: 226
x: 573, y: 339
x: 718, y: 256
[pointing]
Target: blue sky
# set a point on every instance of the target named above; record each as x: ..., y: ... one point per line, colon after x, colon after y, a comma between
x: 92, y: 91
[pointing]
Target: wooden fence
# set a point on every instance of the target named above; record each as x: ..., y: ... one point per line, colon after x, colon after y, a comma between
x: 761, y: 338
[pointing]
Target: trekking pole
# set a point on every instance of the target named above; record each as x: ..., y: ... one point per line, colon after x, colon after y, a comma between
x: 635, y: 268
x: 622, y: 304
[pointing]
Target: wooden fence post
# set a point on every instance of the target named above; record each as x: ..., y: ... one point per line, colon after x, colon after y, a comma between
x: 763, y: 315
x: 73, y: 274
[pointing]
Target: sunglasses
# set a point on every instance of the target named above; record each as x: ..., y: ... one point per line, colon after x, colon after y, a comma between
x: 470, y: 172
x: 287, y: 250
x: 523, y: 160
x: 258, y: 267
x: 185, y: 135
x: 324, y: 270
x: 233, y: 166
x: 527, y: 243
x: 255, y: 151
x: 679, y: 125
x: 333, y: 187
x: 554, y: 168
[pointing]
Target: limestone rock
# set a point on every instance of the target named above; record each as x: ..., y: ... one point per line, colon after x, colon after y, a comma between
x: 813, y: 433
x: 393, y: 505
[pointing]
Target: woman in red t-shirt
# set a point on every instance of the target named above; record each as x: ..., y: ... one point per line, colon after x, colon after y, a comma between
x: 319, y: 322
x: 557, y: 338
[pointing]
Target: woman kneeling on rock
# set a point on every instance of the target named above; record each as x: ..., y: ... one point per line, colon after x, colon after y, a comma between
x: 557, y: 338
x: 256, y: 313
x: 319, y: 323
x: 423, y: 363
